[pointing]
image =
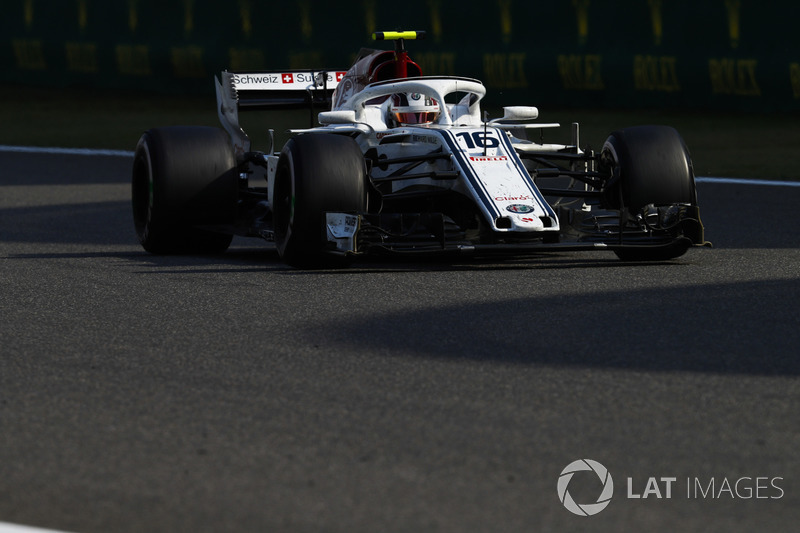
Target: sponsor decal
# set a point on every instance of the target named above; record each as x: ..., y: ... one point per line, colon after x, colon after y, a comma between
x: 424, y: 139
x: 312, y: 78
x: 488, y: 158
x: 521, y: 208
x: 523, y: 198
x: 287, y: 80
x: 247, y: 79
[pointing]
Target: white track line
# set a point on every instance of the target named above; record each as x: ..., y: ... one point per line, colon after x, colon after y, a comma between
x: 64, y: 151
x: 126, y: 153
x: 5, y: 527
x: 742, y: 181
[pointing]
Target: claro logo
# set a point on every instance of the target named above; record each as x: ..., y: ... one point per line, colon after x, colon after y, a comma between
x: 585, y: 509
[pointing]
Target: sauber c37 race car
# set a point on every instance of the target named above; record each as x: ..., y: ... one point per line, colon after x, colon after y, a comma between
x: 403, y: 163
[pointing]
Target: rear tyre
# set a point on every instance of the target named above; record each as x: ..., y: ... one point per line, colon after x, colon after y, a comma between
x: 316, y: 173
x: 184, y: 181
x: 650, y: 166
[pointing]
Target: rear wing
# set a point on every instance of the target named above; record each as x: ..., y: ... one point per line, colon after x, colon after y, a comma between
x: 265, y: 90
x: 291, y: 89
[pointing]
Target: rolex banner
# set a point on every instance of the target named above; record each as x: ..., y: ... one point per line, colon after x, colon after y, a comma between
x: 720, y: 54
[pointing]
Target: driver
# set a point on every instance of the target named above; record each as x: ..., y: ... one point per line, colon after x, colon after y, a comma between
x: 413, y: 108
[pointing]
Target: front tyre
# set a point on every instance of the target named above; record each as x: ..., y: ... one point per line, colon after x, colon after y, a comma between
x: 317, y: 173
x: 184, y: 182
x: 650, y: 168
x: 650, y: 165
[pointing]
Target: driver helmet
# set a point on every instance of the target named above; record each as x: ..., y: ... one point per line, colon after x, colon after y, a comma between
x: 413, y: 108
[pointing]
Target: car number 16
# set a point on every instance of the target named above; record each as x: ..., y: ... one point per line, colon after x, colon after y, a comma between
x: 479, y: 139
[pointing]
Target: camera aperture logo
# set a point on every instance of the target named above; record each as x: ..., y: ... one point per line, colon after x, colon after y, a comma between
x: 585, y: 509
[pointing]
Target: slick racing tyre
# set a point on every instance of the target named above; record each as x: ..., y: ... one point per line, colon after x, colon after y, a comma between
x: 650, y: 166
x: 316, y: 173
x: 184, y: 182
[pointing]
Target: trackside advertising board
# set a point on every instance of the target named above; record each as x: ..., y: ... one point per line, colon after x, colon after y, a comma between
x: 721, y: 54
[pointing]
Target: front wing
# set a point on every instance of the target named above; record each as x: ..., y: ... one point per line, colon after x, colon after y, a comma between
x: 434, y: 234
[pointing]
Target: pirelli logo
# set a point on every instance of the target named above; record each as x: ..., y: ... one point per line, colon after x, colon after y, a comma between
x: 488, y: 158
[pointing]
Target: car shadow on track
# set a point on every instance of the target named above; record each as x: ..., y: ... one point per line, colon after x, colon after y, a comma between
x: 240, y: 260
x: 574, y: 260
x: 726, y: 328
x: 267, y: 260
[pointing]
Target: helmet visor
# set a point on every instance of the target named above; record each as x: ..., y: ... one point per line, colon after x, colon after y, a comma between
x: 411, y: 116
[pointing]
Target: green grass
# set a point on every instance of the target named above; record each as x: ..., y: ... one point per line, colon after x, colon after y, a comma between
x: 731, y: 144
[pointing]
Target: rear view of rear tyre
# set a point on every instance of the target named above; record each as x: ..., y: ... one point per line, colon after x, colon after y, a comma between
x: 184, y: 190
x: 651, y: 167
x: 316, y: 173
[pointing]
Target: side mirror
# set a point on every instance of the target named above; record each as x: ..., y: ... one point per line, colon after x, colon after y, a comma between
x: 337, y: 117
x: 519, y: 113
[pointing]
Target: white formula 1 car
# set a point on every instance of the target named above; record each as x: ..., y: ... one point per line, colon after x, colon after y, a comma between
x: 407, y: 164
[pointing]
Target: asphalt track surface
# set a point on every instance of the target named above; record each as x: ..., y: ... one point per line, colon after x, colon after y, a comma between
x: 144, y: 393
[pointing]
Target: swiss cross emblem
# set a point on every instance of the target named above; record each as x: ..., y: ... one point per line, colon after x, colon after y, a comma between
x: 288, y: 78
x: 340, y: 75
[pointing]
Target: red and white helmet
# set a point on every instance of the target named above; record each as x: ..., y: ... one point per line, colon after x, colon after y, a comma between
x: 414, y: 108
